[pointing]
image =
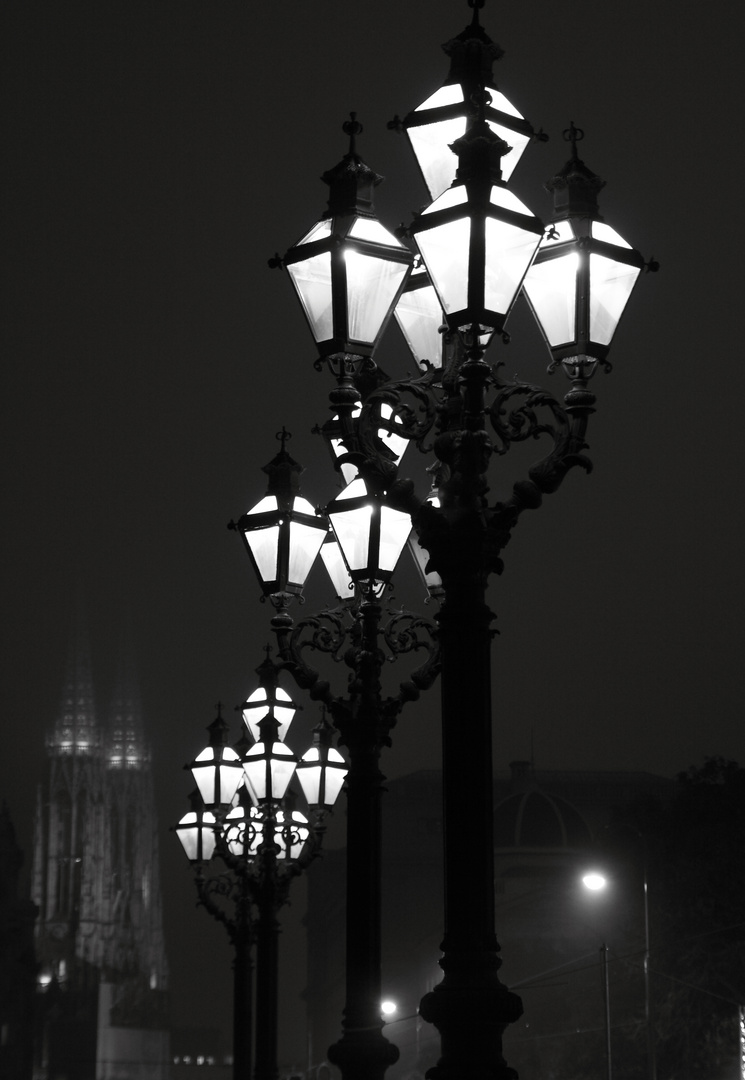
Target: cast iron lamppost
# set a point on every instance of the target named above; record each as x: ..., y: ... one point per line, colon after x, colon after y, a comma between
x: 244, y: 813
x: 478, y: 247
x: 596, y: 881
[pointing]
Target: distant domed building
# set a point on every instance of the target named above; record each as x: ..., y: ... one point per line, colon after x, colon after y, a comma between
x: 545, y: 826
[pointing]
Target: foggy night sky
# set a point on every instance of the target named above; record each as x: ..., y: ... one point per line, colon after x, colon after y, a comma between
x: 156, y: 154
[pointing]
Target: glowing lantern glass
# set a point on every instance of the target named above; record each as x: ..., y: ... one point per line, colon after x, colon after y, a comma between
x: 348, y: 270
x: 420, y: 318
x: 269, y: 767
x: 584, y: 272
x: 478, y: 239
x: 337, y: 570
x: 321, y: 770
x: 282, y: 533
x: 370, y: 534
x: 268, y: 701
x: 447, y: 114
x: 217, y: 770
x: 197, y: 833
x: 431, y: 578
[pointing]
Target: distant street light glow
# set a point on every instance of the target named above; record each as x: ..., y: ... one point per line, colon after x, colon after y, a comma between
x: 594, y: 881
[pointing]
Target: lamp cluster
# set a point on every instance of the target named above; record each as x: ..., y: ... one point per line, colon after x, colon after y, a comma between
x: 241, y: 805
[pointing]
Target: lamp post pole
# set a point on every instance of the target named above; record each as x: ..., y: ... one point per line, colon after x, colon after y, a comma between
x: 606, y: 1009
x: 649, y: 1020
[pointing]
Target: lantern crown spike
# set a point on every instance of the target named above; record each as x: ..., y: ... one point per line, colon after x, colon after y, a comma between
x: 283, y: 471
x: 351, y: 182
x: 480, y: 150
x: 472, y: 53
x: 575, y: 187
x: 218, y: 729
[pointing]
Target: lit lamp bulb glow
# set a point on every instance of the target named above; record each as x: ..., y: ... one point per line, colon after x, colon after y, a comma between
x: 594, y: 881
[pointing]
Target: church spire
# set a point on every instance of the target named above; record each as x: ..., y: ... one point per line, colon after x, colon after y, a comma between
x: 76, y: 731
x: 125, y: 742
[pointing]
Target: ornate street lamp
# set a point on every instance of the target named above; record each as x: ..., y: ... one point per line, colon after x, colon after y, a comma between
x: 217, y: 770
x: 263, y: 841
x: 448, y: 113
x: 584, y: 272
x: 348, y: 270
x: 196, y: 831
x: 370, y: 534
x: 477, y: 239
x: 282, y: 533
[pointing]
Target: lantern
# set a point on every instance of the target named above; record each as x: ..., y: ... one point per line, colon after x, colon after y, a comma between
x: 321, y: 770
x: 371, y: 534
x: 282, y: 533
x: 448, y: 113
x: 217, y: 770
x: 196, y: 831
x: 477, y: 239
x: 584, y: 272
x: 348, y: 270
x: 268, y: 699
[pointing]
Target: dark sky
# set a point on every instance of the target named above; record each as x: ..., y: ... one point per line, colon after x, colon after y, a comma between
x: 156, y: 154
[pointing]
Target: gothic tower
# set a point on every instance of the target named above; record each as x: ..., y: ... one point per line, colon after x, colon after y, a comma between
x: 95, y: 880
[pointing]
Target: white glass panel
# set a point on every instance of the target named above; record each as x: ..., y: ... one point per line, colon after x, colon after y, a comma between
x: 371, y: 229
x: 352, y: 531
x: 503, y: 104
x: 394, y: 532
x: 302, y: 506
x: 445, y: 252
x: 337, y: 570
x: 508, y: 254
x: 551, y: 289
x: 431, y: 142
x: 312, y: 279
x: 445, y: 95
x: 264, y: 544
x: 420, y: 317
x: 197, y: 840
x: 268, y: 779
x: 601, y: 231
x: 203, y: 771
x: 431, y: 145
x: 502, y: 196
x: 320, y: 231
x: 305, y: 543
x: 282, y: 714
x: 309, y: 773
x: 610, y: 287
x: 372, y: 285
x: 452, y: 197
x: 209, y: 766
x: 291, y: 832
x: 265, y: 505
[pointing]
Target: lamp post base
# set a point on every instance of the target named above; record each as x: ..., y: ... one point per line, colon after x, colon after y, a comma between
x: 471, y: 1014
x: 363, y: 1054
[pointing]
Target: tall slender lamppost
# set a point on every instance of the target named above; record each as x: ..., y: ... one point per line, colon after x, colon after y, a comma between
x: 478, y: 246
x: 244, y: 814
x: 596, y: 880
